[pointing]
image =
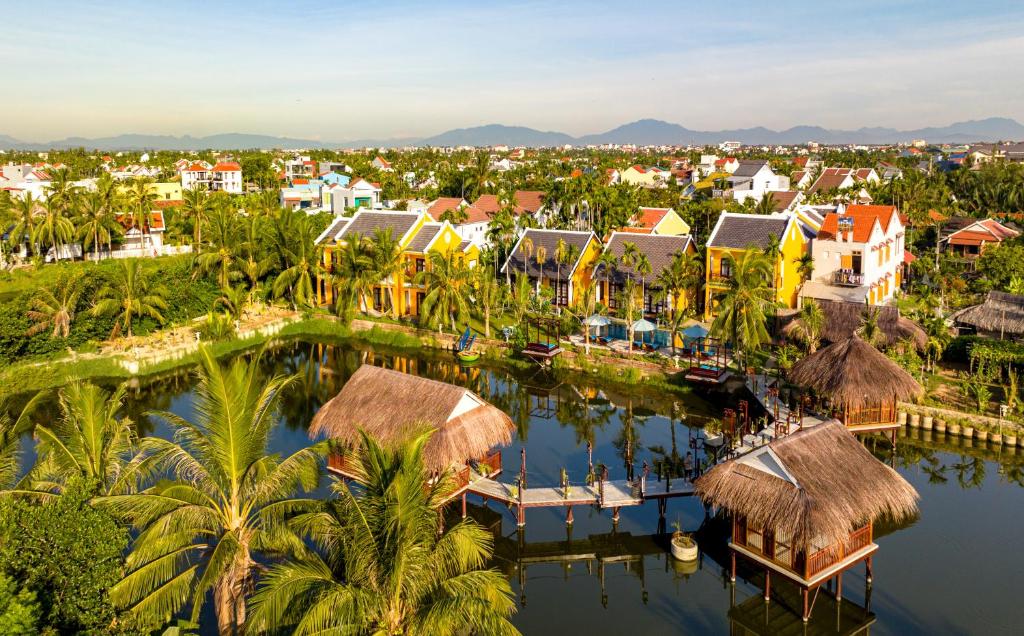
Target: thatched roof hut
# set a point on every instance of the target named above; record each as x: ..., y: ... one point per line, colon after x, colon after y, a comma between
x: 816, y: 486
x: 854, y: 374
x: 843, y: 319
x: 391, y: 406
x: 1000, y: 315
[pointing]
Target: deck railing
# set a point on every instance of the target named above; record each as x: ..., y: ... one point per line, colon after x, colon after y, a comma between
x: 794, y: 560
x: 831, y: 555
x: 492, y: 463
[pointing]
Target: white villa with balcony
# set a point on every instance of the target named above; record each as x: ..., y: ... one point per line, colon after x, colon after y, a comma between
x: 858, y: 255
x: 226, y: 176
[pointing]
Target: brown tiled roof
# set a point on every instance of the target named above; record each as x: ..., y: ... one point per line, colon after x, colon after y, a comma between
x: 477, y: 215
x: 783, y: 198
x: 487, y: 204
x: 547, y: 239
x: 741, y: 230
x: 527, y: 201
x: 367, y: 223
x: 660, y: 251
x: 442, y: 205
x: 423, y: 238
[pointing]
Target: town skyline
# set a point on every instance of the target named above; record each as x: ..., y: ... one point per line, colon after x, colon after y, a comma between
x: 396, y: 70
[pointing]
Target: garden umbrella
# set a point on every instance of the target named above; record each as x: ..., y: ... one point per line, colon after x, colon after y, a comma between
x: 596, y: 321
x: 643, y: 325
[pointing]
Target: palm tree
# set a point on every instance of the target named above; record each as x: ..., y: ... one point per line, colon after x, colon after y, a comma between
x: 12, y: 431
x: 26, y: 214
x: 52, y: 228
x: 302, y: 267
x: 630, y: 306
x: 233, y: 300
x: 130, y: 296
x: 446, y: 281
x: 197, y: 205
x: 380, y: 566
x: 526, y: 247
x: 766, y: 205
x: 98, y: 223
x: 585, y: 305
x: 223, y: 252
x: 87, y: 441
x: 804, y: 269
x: 55, y: 308
x: 388, y: 260
x: 225, y: 504
x: 354, y: 276
x: 810, y: 324
x: 487, y: 295
x: 608, y: 262
x: 870, y: 330
x: 773, y: 250
x: 542, y: 257
x: 743, y: 308
x: 140, y: 199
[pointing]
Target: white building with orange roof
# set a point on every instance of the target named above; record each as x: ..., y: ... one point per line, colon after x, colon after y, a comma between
x: 225, y: 176
x: 858, y: 254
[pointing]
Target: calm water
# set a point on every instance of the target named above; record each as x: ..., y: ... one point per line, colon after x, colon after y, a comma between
x: 957, y: 569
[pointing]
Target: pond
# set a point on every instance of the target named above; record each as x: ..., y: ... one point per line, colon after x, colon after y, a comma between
x: 956, y: 569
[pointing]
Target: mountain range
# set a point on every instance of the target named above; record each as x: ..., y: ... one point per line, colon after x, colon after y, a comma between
x: 643, y: 132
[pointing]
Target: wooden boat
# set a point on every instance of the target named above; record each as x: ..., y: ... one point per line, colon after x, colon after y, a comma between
x: 467, y: 356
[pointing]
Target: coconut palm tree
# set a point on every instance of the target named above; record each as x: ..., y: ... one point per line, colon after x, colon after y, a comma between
x: 140, y: 199
x: 804, y: 269
x: 223, y: 252
x: 870, y: 330
x: 630, y: 306
x: 130, y: 296
x: 542, y: 257
x: 809, y: 325
x: 98, y: 225
x: 608, y: 262
x: 447, y: 284
x: 302, y: 266
x: 12, y: 431
x: 87, y: 441
x: 354, y: 278
x: 224, y: 507
x: 487, y: 295
x: 526, y: 246
x: 766, y: 205
x: 26, y: 214
x: 743, y: 309
x: 388, y: 260
x: 53, y: 229
x: 380, y: 566
x: 196, y: 206
x: 54, y: 308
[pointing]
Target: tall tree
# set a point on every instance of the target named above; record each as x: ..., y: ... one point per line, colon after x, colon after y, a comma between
x: 446, y: 281
x: 196, y: 206
x: 98, y: 225
x: 130, y: 296
x: 302, y: 267
x: 53, y: 229
x: 380, y: 566
x: 54, y: 308
x: 743, y: 307
x: 225, y: 505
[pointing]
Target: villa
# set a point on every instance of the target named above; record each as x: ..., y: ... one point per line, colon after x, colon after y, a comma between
x: 537, y: 255
x: 660, y: 252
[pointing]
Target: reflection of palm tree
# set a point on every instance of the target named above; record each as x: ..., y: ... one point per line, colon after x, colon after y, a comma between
x: 970, y: 472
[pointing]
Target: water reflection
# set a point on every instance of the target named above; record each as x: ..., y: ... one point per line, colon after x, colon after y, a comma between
x: 617, y: 578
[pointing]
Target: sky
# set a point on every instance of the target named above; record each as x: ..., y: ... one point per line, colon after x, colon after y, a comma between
x: 338, y: 71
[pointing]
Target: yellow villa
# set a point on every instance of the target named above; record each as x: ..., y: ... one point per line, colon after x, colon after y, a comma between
x: 735, y: 233
x: 418, y: 236
x: 536, y: 255
x: 661, y: 221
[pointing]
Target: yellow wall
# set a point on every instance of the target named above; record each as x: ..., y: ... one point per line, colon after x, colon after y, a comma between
x: 164, y: 190
x: 787, y: 279
x: 672, y: 225
x: 631, y: 176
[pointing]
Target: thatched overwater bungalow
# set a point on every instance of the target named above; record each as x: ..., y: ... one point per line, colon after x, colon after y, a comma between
x: 860, y: 384
x: 803, y: 506
x: 1000, y: 316
x: 391, y: 406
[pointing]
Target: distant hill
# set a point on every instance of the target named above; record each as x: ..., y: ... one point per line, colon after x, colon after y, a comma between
x: 642, y: 132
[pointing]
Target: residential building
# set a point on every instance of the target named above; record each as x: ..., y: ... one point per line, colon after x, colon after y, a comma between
x: 535, y: 256
x: 645, y: 176
x: 734, y: 235
x: 837, y: 179
x: 527, y: 202
x: 663, y: 221
x: 441, y: 205
x: 418, y: 237
x: 359, y: 193
x: 970, y: 241
x: 726, y: 164
x: 800, y: 179
x: 225, y: 176
x: 785, y: 200
x: 753, y: 178
x: 382, y: 164
x: 300, y: 167
x: 858, y: 255
x: 660, y: 251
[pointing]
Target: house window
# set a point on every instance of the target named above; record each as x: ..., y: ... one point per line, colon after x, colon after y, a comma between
x: 562, y: 293
x: 725, y: 268
x: 421, y: 265
x: 856, y: 264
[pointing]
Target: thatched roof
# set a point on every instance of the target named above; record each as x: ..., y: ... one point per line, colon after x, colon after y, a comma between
x: 390, y: 406
x: 815, y: 485
x: 853, y: 373
x: 1000, y: 313
x: 843, y: 318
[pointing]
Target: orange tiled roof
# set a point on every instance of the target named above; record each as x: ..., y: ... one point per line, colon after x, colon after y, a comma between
x: 864, y: 217
x: 227, y: 166
x: 650, y: 217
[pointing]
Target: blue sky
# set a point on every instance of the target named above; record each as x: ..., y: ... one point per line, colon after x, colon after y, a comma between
x: 338, y: 71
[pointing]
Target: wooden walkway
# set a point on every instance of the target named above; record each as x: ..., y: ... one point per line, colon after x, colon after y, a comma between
x: 614, y: 494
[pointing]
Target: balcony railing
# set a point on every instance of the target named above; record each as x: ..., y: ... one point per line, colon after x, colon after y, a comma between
x: 794, y: 559
x: 847, y: 278
x: 719, y: 278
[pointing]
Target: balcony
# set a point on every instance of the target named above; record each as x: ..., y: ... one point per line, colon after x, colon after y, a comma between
x: 847, y: 278
x: 718, y: 278
x: 805, y: 563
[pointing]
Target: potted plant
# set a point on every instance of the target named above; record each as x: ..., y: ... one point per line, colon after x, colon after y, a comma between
x: 684, y: 548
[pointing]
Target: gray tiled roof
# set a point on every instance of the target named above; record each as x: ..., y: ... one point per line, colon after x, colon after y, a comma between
x: 548, y: 240
x: 367, y: 223
x: 740, y: 231
x: 660, y: 251
x: 423, y: 238
x: 749, y: 167
x: 336, y: 226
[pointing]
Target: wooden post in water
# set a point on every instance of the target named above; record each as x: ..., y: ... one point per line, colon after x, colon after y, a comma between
x: 568, y: 515
x: 839, y: 586
x: 463, y: 505
x: 732, y: 575
x: 767, y: 585
x: 806, y: 615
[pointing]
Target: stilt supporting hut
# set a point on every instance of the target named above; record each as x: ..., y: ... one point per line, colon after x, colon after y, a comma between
x: 803, y: 506
x: 392, y: 406
x: 857, y: 383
